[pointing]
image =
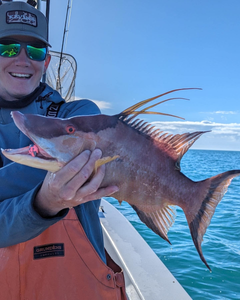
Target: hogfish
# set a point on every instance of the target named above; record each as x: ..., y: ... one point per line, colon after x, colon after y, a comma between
x: 143, y: 162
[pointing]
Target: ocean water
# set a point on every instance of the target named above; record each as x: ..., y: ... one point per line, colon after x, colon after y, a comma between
x: 221, y: 242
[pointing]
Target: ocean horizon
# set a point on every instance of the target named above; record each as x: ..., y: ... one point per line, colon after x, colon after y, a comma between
x: 213, y: 150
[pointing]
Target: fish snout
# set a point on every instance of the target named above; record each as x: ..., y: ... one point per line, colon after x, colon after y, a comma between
x: 18, y: 119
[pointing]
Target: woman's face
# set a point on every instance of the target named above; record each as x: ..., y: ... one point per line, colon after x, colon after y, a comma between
x: 20, y: 76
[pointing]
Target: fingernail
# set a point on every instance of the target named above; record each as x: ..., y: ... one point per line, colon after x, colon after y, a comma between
x: 97, y: 152
x: 87, y: 152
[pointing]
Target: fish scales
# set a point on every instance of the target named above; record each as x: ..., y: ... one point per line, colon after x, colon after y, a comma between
x: 143, y: 162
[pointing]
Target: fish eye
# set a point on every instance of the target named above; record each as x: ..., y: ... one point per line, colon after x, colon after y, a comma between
x: 70, y: 129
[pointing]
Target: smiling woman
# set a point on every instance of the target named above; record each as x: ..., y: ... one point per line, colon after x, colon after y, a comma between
x: 19, y: 74
x: 34, y: 204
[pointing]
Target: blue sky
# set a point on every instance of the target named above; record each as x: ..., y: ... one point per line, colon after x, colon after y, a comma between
x: 131, y: 50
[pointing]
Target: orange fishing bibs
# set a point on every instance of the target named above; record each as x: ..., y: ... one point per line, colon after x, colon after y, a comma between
x: 59, y: 264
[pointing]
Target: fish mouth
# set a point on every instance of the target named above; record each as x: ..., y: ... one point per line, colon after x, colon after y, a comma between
x: 33, y: 155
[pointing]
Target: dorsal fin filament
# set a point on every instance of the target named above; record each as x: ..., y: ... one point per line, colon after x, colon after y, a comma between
x: 132, y: 109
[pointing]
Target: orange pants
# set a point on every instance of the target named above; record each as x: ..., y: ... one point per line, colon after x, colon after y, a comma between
x: 60, y: 264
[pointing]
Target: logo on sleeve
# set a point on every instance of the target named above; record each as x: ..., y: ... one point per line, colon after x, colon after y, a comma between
x: 50, y: 250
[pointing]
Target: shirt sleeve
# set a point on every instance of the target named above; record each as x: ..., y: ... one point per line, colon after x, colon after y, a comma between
x: 82, y: 107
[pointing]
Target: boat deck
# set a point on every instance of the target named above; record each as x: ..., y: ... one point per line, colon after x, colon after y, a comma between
x: 146, y: 277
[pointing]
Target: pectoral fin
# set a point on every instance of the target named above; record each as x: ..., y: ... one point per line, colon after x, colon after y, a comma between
x: 104, y: 160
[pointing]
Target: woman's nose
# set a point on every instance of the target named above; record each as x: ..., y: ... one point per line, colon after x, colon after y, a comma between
x: 22, y: 58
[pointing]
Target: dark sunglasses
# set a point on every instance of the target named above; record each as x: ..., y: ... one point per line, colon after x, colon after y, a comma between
x: 12, y: 48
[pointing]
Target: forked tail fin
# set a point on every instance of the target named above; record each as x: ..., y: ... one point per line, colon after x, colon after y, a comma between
x: 198, y: 221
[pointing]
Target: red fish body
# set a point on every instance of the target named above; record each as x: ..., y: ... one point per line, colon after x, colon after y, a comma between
x: 146, y: 165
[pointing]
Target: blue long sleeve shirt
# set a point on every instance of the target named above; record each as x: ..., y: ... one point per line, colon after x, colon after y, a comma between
x: 19, y: 184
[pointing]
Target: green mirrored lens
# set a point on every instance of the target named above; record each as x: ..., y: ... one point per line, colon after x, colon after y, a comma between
x: 9, y: 50
x: 36, y: 53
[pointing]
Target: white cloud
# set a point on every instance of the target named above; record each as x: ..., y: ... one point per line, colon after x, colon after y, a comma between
x: 224, y: 112
x: 222, y: 136
x: 100, y: 104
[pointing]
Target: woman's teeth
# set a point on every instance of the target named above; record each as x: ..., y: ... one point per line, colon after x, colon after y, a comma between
x: 20, y: 75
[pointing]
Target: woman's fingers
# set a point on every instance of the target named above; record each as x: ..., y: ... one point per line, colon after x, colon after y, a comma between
x: 73, y: 184
x: 69, y: 171
x: 80, y: 178
x: 91, y: 190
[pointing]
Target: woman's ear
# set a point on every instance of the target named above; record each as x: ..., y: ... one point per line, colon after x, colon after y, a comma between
x: 46, y: 62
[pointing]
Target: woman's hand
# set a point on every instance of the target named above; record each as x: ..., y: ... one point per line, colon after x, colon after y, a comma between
x: 72, y: 185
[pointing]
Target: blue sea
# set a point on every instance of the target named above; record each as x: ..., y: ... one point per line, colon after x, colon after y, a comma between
x: 221, y: 243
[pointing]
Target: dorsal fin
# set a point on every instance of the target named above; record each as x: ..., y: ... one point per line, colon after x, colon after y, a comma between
x: 179, y: 142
